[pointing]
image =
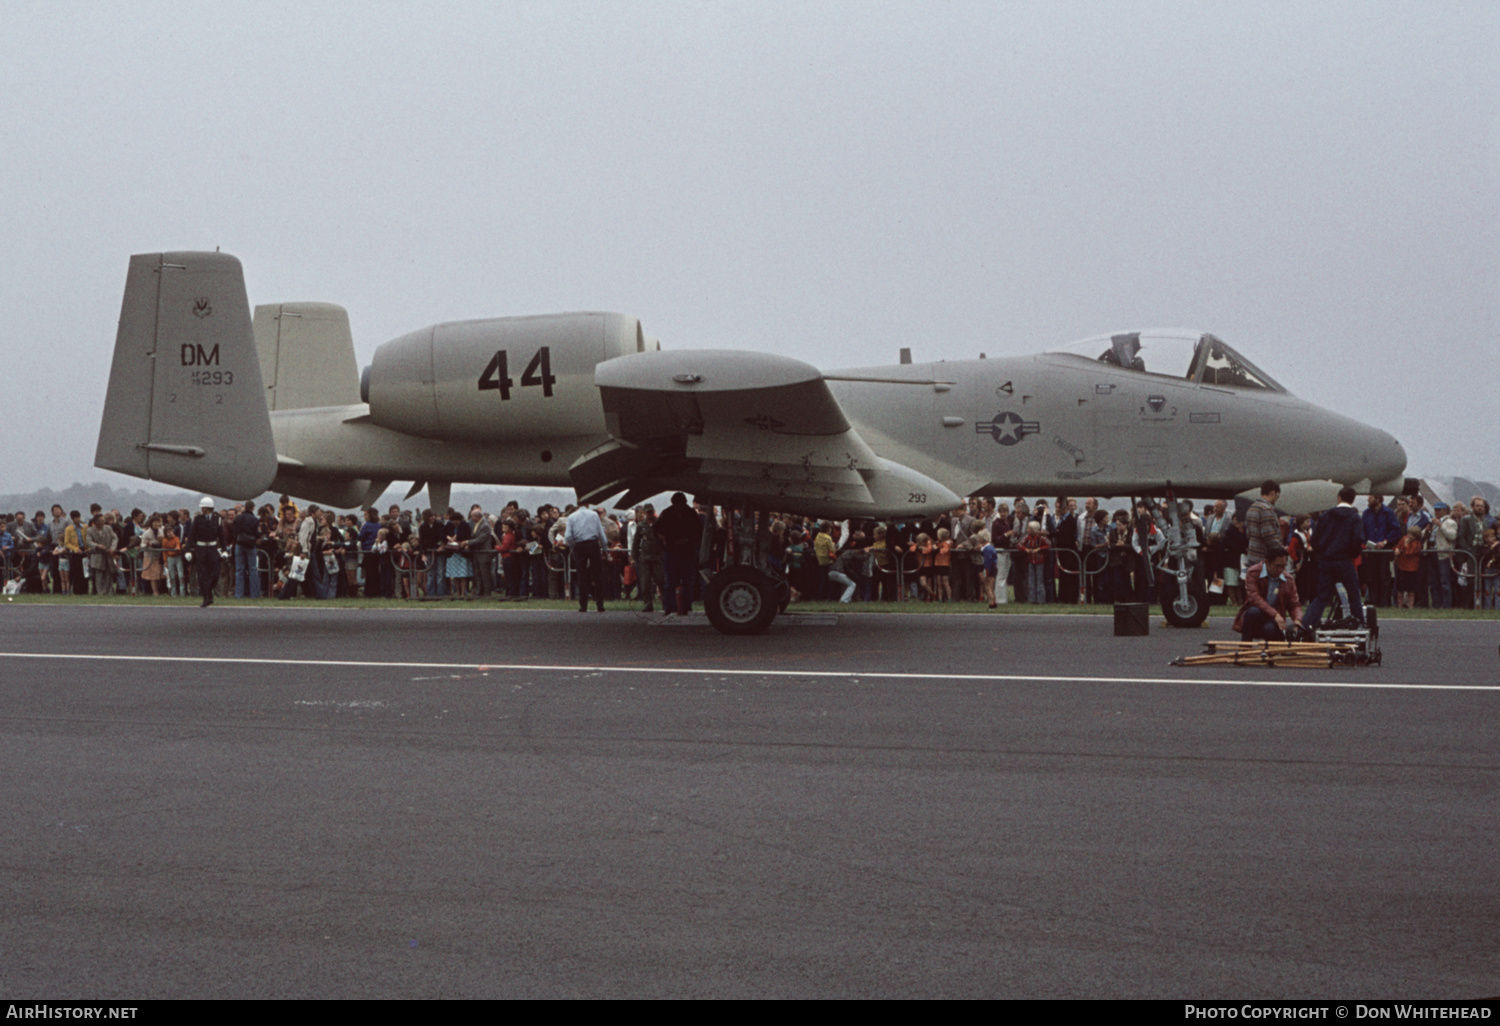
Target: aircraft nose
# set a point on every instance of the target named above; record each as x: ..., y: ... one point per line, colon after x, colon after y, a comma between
x: 1387, y: 463
x: 1358, y: 454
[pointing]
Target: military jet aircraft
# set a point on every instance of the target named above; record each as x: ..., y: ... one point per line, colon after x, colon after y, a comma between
x: 204, y: 396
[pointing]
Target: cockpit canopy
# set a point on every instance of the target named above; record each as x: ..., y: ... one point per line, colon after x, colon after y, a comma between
x: 1187, y: 356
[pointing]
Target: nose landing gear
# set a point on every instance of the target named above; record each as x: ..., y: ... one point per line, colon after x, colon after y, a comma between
x: 1184, y: 599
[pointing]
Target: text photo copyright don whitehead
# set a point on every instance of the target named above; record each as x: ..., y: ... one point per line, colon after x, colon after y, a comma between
x: 1475, y: 1009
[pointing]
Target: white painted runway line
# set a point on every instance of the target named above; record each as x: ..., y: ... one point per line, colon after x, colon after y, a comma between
x: 712, y: 672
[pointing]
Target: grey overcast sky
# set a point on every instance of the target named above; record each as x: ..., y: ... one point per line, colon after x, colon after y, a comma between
x: 1314, y: 182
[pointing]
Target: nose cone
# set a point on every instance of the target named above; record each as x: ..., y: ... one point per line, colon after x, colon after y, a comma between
x: 1387, y: 464
x: 1360, y: 454
x: 1308, y: 443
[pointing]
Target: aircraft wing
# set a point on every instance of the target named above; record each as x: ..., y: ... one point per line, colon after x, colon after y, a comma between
x: 747, y: 429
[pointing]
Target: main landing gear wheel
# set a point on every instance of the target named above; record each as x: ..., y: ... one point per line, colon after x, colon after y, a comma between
x: 1191, y: 611
x: 783, y: 589
x: 740, y: 601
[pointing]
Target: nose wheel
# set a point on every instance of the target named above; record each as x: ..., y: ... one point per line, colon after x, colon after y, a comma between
x: 1184, y: 607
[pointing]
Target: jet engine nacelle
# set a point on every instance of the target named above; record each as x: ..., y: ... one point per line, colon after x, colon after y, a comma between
x: 501, y: 379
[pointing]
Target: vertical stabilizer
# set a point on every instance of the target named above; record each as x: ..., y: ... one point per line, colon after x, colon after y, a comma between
x: 306, y: 355
x: 186, y: 404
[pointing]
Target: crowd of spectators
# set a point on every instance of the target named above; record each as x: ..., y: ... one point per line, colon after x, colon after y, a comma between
x: 1445, y: 558
x: 988, y: 552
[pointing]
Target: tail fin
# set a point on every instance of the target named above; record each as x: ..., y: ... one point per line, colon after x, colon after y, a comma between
x: 306, y: 355
x: 186, y: 404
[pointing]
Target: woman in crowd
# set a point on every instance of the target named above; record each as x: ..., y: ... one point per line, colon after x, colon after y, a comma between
x: 1035, y: 546
x: 101, y: 541
x: 152, y: 568
x: 511, y: 549
x: 460, y: 569
x: 1304, y: 563
x: 383, y: 565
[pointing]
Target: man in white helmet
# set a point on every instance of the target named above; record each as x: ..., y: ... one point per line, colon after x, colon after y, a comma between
x: 203, y: 543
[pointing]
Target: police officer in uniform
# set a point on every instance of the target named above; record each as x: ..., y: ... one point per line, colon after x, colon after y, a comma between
x: 203, y: 543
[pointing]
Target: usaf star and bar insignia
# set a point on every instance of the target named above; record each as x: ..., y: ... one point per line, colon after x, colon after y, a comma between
x: 1007, y: 428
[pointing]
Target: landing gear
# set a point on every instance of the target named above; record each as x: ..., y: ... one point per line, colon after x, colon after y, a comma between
x: 1184, y: 607
x: 745, y: 596
x: 741, y: 600
x: 1184, y: 600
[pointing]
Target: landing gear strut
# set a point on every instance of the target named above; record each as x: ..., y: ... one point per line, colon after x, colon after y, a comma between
x: 1184, y: 601
x: 745, y: 597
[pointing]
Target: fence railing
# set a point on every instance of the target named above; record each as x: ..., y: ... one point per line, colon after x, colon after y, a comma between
x: 1444, y: 576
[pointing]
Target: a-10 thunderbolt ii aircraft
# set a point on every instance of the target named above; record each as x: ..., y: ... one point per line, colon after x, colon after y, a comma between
x: 204, y: 396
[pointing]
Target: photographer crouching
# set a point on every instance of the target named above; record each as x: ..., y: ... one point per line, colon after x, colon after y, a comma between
x: 1271, y: 601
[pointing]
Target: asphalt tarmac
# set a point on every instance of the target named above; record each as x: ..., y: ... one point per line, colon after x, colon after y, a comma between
x: 435, y: 802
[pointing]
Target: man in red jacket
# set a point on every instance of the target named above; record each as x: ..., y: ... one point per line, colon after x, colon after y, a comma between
x: 1270, y: 599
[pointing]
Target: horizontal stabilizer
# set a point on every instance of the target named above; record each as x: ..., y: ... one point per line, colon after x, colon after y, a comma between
x: 186, y: 403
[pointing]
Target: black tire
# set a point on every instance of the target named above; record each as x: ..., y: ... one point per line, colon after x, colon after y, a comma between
x: 783, y: 589
x: 1199, y: 599
x: 740, y: 601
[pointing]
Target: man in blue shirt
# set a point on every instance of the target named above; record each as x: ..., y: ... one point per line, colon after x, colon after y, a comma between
x: 1382, y: 532
x: 584, y: 536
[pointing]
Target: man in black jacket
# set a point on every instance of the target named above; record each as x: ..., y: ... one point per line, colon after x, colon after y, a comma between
x: 1068, y: 530
x: 681, y: 532
x: 1338, y: 538
x: 246, y: 540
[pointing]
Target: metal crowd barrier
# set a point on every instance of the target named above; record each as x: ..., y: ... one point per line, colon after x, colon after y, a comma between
x: 1081, y: 561
x: 1459, y: 562
x: 412, y: 568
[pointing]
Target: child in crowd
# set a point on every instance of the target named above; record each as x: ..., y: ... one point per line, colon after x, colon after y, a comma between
x: 294, y: 573
x: 1408, y: 559
x: 927, y: 552
x: 942, y: 584
x: 991, y: 567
